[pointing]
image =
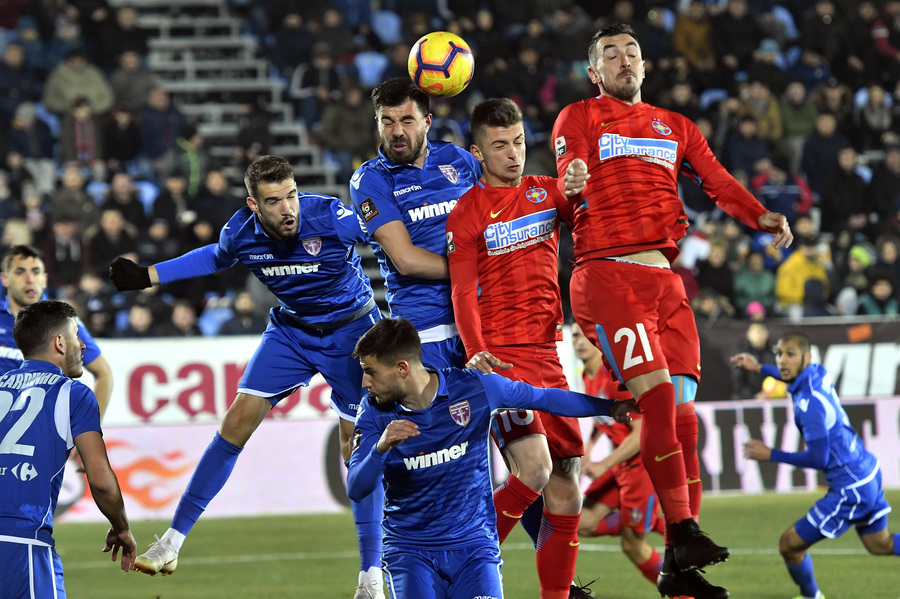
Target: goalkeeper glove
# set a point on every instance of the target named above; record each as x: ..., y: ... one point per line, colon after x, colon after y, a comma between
x: 128, y: 276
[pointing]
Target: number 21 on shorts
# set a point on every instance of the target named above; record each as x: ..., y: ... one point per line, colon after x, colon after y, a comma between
x: 630, y: 337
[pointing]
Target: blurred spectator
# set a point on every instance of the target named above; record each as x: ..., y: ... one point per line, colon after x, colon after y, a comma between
x: 338, y: 36
x: 66, y: 38
x: 95, y: 294
x: 884, y: 190
x: 190, y: 157
x: 246, y: 320
x: 254, y: 136
x: 314, y: 84
x: 801, y: 266
x: 709, y: 308
x: 161, y: 121
x: 64, y: 256
x: 692, y: 39
x: 130, y: 82
x: 880, y: 299
x: 346, y: 132
x: 754, y: 283
x: 845, y: 201
x: 10, y: 206
x: 812, y: 69
x: 173, y: 203
x: 122, y: 34
x: 872, y: 118
x: 736, y: 35
x: 527, y: 80
x: 682, y: 99
x: 122, y: 140
x: 768, y: 67
x: 123, y: 196
x: 815, y: 300
x: 17, y: 174
x: 763, y: 106
x: 864, y: 60
x: 159, y: 242
x: 780, y: 191
x: 72, y: 202
x: 18, y: 82
x: 112, y: 238
x: 746, y: 384
x: 824, y: 32
x: 81, y: 139
x: 835, y: 98
x: 140, y: 323
x: 858, y: 261
x: 290, y: 44
x: 886, y: 33
x: 215, y: 202
x: 182, y: 321
x: 32, y: 43
x: 886, y: 255
x: 714, y: 274
x: 77, y: 78
x: 30, y: 138
x: 820, y: 151
x: 743, y: 147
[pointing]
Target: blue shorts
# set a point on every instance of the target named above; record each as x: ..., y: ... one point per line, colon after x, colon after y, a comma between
x: 423, y: 574
x: 289, y: 356
x: 444, y: 354
x: 30, y: 569
x: 863, y: 506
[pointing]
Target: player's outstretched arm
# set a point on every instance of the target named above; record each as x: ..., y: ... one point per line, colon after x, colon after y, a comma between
x: 128, y: 276
x: 747, y: 362
x: 485, y: 362
x: 777, y: 225
x: 754, y: 449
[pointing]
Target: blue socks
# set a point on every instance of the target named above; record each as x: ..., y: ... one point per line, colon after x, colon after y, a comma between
x: 897, y: 543
x: 209, y: 477
x: 368, y: 515
x: 531, y: 519
x: 802, y: 574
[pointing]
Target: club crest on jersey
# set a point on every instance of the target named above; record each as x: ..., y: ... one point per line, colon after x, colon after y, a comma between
x: 368, y: 209
x: 450, y: 172
x: 536, y: 195
x: 660, y: 127
x: 636, y: 515
x: 451, y: 247
x: 461, y: 412
x: 313, y: 245
x: 560, y: 145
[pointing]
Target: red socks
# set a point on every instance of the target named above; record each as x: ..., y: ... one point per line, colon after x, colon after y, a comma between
x: 686, y: 430
x: 511, y: 499
x: 662, y: 453
x: 557, y: 551
x: 652, y: 567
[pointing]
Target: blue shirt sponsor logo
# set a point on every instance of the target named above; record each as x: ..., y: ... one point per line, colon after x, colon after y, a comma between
x: 503, y: 237
x: 660, y: 151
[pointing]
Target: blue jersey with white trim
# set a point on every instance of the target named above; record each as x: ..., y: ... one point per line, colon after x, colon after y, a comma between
x: 421, y: 198
x: 316, y: 276
x: 11, y: 357
x: 438, y: 490
x: 41, y: 413
x: 819, y: 415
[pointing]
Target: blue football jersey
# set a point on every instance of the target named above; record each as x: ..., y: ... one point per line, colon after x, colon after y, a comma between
x: 317, y: 276
x: 11, y: 357
x: 384, y: 191
x: 819, y: 415
x: 41, y: 413
x: 437, y: 485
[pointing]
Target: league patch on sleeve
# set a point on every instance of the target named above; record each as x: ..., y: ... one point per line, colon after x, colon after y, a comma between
x: 357, y: 437
x: 451, y: 247
x: 560, y: 145
x: 368, y: 209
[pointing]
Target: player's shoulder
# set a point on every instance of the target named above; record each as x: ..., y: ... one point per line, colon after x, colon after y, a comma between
x: 449, y: 151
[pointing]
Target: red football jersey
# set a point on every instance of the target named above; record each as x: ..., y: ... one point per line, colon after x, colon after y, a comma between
x: 503, y: 246
x: 634, y: 155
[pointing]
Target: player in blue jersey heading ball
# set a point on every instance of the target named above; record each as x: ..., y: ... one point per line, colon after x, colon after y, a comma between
x: 425, y: 431
x: 301, y: 246
x: 854, y: 497
x: 43, y: 415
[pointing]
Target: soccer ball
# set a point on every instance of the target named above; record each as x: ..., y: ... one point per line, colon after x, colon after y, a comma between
x: 441, y: 63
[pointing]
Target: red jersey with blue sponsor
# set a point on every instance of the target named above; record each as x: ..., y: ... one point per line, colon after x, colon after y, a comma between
x: 634, y: 155
x: 505, y: 241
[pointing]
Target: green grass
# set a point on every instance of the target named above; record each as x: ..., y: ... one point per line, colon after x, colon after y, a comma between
x: 312, y: 557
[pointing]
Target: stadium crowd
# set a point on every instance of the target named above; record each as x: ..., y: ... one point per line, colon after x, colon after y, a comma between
x: 800, y: 99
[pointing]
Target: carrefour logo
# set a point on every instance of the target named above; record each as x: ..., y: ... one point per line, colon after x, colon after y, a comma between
x: 659, y: 151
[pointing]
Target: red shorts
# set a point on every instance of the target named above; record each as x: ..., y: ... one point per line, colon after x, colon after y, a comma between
x: 627, y: 488
x: 538, y: 366
x: 639, y: 317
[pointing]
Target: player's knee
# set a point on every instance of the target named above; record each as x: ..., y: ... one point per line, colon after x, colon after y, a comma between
x: 535, y: 474
x: 789, y: 552
x: 632, y: 543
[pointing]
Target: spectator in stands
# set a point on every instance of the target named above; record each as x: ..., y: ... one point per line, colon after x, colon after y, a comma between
x: 884, y: 190
x: 81, y: 139
x: 780, y: 191
x: 680, y: 98
x: 140, y: 322
x: 114, y: 237
x: 865, y: 60
x: 161, y: 121
x: 754, y: 283
x: 65, y: 39
x: 18, y: 82
x: 64, y: 256
x: 880, y: 299
x: 886, y: 255
x: 812, y: 69
x: 182, y: 321
x: 858, y: 260
x: 30, y: 137
x: 72, y: 202
x: 173, y: 203
x: 746, y: 384
x: 821, y: 150
x: 254, y: 136
x: 94, y: 294
x: 872, y: 119
x: 835, y: 98
x: 247, y: 320
x: 802, y: 265
x: 709, y: 308
x: 314, y: 84
x: 736, y: 35
x: 342, y: 132
x: 762, y: 105
x: 77, y: 78
x: 215, y: 202
x: 692, y: 39
x: 122, y: 34
x: 159, y: 242
x: 10, y: 206
x: 768, y: 67
x: 743, y: 147
x: 824, y: 31
x: 122, y: 141
x: 844, y: 198
x: 886, y: 33
x: 123, y: 196
x: 130, y: 82
x: 714, y: 274
x: 290, y: 44
x: 190, y: 157
x: 32, y: 43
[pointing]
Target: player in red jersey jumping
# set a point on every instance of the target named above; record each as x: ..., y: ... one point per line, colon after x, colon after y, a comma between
x: 618, y: 159
x: 503, y: 238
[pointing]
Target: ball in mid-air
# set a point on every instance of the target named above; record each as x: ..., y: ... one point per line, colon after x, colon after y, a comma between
x: 441, y: 63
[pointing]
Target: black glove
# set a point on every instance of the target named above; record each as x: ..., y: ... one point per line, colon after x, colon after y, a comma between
x: 127, y: 276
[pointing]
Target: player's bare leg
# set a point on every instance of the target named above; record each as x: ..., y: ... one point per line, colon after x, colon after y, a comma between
x: 592, y: 514
x: 367, y: 516
x: 641, y: 553
x: 529, y: 464
x: 794, y: 551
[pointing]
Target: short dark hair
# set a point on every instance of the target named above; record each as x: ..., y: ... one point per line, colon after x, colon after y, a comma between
x: 23, y: 251
x: 266, y: 169
x: 36, y: 325
x: 797, y: 337
x: 398, y: 90
x: 389, y: 341
x: 494, y: 112
x: 609, y: 31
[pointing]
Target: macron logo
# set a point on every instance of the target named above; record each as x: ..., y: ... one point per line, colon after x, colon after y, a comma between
x: 431, y: 210
x: 262, y: 257
x: 427, y: 460
x: 406, y: 190
x: 291, y: 269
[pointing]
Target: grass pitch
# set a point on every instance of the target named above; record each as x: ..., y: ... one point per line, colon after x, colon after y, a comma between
x: 314, y: 557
